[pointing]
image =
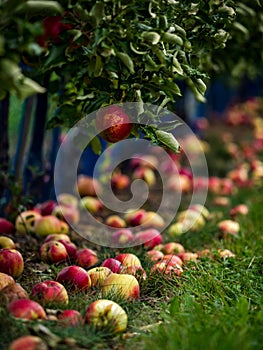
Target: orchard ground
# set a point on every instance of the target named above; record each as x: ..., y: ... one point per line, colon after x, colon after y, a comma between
x: 215, y: 303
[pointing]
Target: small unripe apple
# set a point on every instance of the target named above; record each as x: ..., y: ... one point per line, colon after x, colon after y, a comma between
x: 25, y: 221
x: 113, y: 124
x: 28, y: 342
x: 74, y: 278
x: 11, y: 262
x: 121, y: 285
x: 86, y: 258
x: 53, y: 252
x: 26, y: 309
x: 98, y: 275
x: 107, y: 315
x: 128, y: 259
x: 115, y: 221
x: 70, y: 318
x: 6, y: 226
x: 6, y: 242
x: 113, y: 264
x: 50, y: 293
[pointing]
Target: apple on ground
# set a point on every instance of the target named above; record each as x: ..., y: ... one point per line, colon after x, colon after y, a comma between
x: 25, y: 221
x: 152, y: 219
x: 165, y: 268
x: 68, y: 199
x: 228, y: 227
x: 221, y: 201
x: 134, y: 217
x: 74, y: 278
x: 201, y: 209
x: 204, y: 253
x: 53, y: 252
x: 115, y: 221
x: 226, y: 253
x: 107, y: 315
x: 120, y: 181
x: 47, y: 225
x: 12, y: 292
x: 46, y: 207
x: 150, y: 238
x: 173, y: 248
x: 155, y: 255
x: 128, y: 259
x: 11, y: 262
x: 50, y: 293
x: 86, y: 258
x: 176, y: 229
x: 136, y: 271
x: 122, y: 237
x: 92, y: 204
x: 123, y: 286
x: 26, y: 309
x: 145, y: 174
x: 6, y: 242
x: 87, y: 186
x: 5, y: 280
x: 66, y: 213
x: 6, y: 226
x: 71, y: 248
x: 28, y: 342
x: 171, y: 259
x: 71, y: 318
x: 113, y: 264
x: 144, y: 160
x: 56, y: 237
x: 98, y: 275
x: 113, y: 123
x: 240, y: 209
x: 188, y: 256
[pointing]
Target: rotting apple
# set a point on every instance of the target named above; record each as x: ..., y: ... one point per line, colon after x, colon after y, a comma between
x: 11, y: 292
x: 107, y: 315
x: 123, y: 286
x: 74, y: 278
x: 11, y: 262
x: 25, y: 221
x: 50, y: 293
x: 26, y: 309
x: 113, y: 124
x: 5, y: 280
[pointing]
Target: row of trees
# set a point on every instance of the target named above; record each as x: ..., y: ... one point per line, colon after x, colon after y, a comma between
x: 86, y: 54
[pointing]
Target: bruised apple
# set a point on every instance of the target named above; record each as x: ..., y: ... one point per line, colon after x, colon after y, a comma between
x: 113, y: 124
x: 106, y: 314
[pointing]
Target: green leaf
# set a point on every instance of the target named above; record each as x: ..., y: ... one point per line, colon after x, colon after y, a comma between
x: 126, y: 60
x: 96, y: 145
x: 171, y: 38
x: 151, y: 37
x: 36, y: 6
x: 96, y: 14
x: 26, y: 87
x: 168, y: 140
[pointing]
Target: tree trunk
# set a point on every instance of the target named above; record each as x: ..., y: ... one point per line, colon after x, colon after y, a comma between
x: 4, y: 144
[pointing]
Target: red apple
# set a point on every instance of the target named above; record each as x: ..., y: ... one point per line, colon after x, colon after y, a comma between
x: 71, y: 248
x: 122, y: 237
x: 6, y: 226
x: 188, y: 256
x: 47, y: 207
x: 74, y: 278
x: 121, y: 285
x: 107, y: 315
x: 228, y: 227
x: 53, y: 252
x: 167, y: 269
x: 50, y: 293
x: 155, y: 255
x: 25, y: 221
x: 136, y: 271
x: 28, y: 342
x: 115, y: 221
x: 149, y: 238
x: 47, y: 225
x: 87, y: 186
x: 152, y: 219
x: 134, y: 217
x: 128, y: 259
x: 57, y: 237
x: 173, y: 248
x: 113, y: 264
x: 171, y: 259
x: 66, y: 213
x: 86, y: 258
x: 92, y: 204
x: 71, y: 318
x: 98, y: 275
x: 113, y: 124
x: 240, y: 209
x: 6, y: 242
x: 26, y: 309
x: 11, y: 262
x: 145, y: 174
x: 120, y: 181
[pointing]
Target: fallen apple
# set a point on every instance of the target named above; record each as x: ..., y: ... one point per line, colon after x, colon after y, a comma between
x: 53, y: 252
x: 106, y: 315
x: 50, y: 293
x: 150, y: 238
x: 25, y: 221
x: 123, y: 286
x: 74, y: 278
x: 6, y: 226
x: 26, y: 309
x: 6, y: 242
x: 71, y: 318
x: 128, y: 259
x: 86, y: 258
x: 11, y: 262
x: 87, y: 186
x: 115, y: 221
x: 47, y: 225
x: 28, y: 342
x: 113, y: 264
